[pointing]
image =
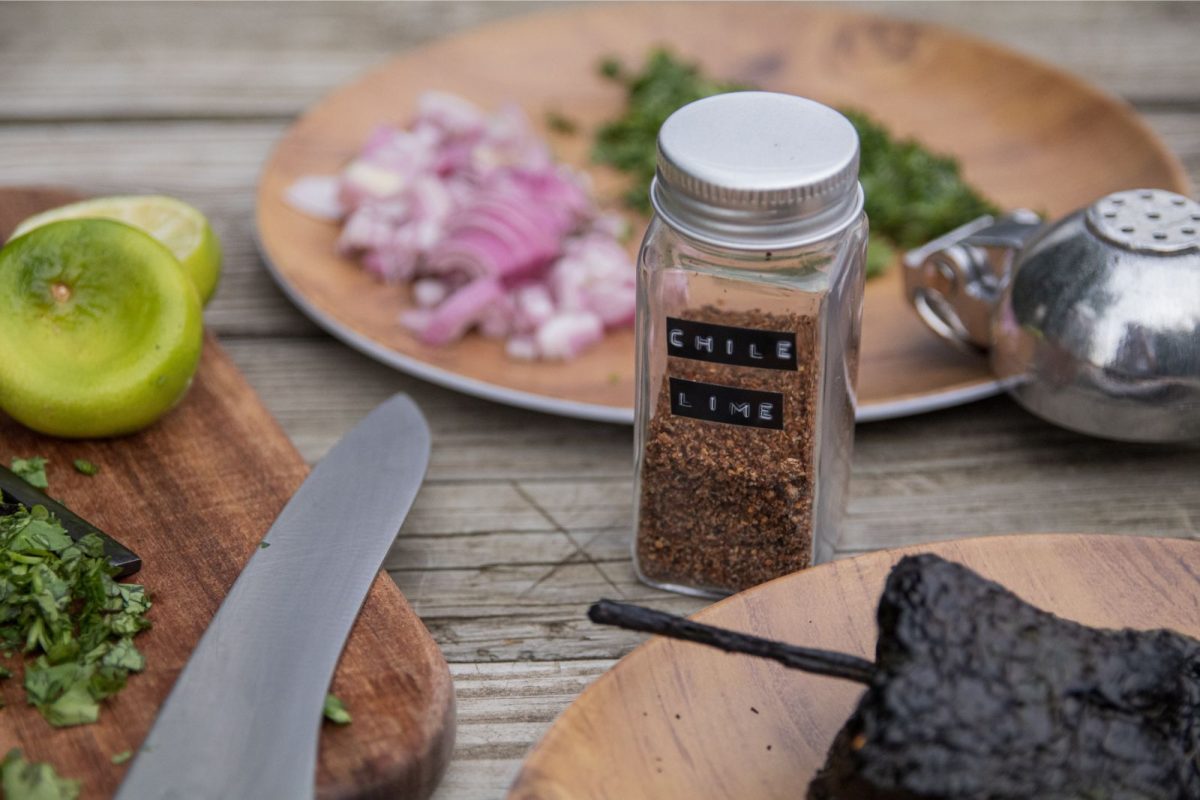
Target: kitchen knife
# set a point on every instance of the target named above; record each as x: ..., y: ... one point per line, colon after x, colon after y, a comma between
x: 243, y: 719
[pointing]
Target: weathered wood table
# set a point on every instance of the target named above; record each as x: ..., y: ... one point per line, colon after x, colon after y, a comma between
x: 525, y: 518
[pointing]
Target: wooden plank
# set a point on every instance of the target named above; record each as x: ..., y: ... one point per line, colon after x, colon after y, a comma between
x: 978, y: 469
x: 504, y: 707
x: 257, y: 59
x: 252, y: 59
x: 317, y: 388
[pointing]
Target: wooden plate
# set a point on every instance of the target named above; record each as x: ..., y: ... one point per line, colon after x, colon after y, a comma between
x: 1027, y: 133
x: 675, y: 720
x: 193, y: 495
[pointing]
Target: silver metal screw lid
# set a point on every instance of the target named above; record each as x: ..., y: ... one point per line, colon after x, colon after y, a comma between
x: 1150, y: 220
x: 757, y: 171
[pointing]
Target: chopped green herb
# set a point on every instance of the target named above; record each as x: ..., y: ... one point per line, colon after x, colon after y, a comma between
x: 32, y: 469
x: 880, y: 255
x: 335, y: 711
x: 122, y: 757
x: 559, y: 123
x: 5, y: 672
x: 22, y: 780
x: 82, y: 465
x: 611, y: 68
x: 263, y: 545
x: 628, y: 142
x: 912, y: 194
x: 59, y: 603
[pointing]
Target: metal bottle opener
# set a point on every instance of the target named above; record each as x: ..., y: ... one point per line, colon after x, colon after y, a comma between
x: 1091, y: 322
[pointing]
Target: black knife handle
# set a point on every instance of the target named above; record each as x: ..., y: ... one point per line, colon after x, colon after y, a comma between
x: 15, y: 488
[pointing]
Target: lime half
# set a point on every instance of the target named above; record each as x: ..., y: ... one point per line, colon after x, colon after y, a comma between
x: 101, y: 331
x: 183, y: 229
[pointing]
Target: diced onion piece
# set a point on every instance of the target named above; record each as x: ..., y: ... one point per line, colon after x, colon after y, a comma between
x: 566, y: 335
x: 317, y: 196
x: 460, y: 311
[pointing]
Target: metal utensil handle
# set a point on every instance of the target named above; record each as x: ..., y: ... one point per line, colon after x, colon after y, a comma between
x: 954, y: 281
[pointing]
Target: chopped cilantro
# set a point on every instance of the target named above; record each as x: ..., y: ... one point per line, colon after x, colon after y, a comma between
x: 912, y: 194
x: 33, y: 470
x: 122, y: 757
x: 560, y: 123
x: 21, y: 780
x: 629, y: 141
x: 611, y: 68
x: 880, y: 255
x: 85, y: 467
x: 335, y: 711
x: 263, y: 545
x: 60, y: 604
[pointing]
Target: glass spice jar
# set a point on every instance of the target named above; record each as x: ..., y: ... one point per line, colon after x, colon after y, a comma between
x: 750, y: 285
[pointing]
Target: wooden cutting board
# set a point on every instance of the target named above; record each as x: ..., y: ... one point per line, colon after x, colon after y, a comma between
x: 193, y: 495
x: 677, y: 720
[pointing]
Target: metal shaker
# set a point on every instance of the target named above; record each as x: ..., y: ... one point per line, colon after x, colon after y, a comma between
x: 1091, y: 322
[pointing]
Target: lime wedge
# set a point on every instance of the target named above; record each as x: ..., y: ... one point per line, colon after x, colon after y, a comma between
x: 101, y: 331
x: 179, y: 226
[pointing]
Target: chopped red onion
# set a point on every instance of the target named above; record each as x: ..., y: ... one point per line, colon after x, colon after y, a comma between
x: 493, y: 235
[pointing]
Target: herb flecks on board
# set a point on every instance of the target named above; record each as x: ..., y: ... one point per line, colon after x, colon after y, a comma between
x: 60, y: 604
x: 33, y: 470
x: 912, y: 194
x: 21, y: 780
x: 335, y: 710
x: 85, y: 467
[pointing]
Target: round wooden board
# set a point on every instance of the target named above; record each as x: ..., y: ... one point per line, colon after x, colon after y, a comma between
x: 676, y: 720
x: 1026, y: 133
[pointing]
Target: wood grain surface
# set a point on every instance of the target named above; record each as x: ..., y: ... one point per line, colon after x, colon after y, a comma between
x: 677, y: 720
x: 1016, y: 125
x: 524, y: 518
x: 193, y: 495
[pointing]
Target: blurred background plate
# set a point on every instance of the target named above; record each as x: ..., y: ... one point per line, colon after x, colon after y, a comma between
x: 1026, y: 133
x: 678, y: 720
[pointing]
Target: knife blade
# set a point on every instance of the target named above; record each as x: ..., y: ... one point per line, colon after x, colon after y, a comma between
x: 16, y: 489
x: 244, y: 717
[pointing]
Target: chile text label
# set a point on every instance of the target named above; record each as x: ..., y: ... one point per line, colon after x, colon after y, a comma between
x: 722, y: 344
x: 728, y: 404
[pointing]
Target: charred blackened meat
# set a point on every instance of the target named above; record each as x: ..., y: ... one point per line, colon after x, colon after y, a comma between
x: 977, y: 695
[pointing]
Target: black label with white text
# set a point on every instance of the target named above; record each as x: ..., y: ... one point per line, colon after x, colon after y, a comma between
x: 728, y: 404
x: 722, y: 344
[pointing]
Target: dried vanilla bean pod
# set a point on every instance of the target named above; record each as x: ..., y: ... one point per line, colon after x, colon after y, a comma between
x: 807, y: 659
